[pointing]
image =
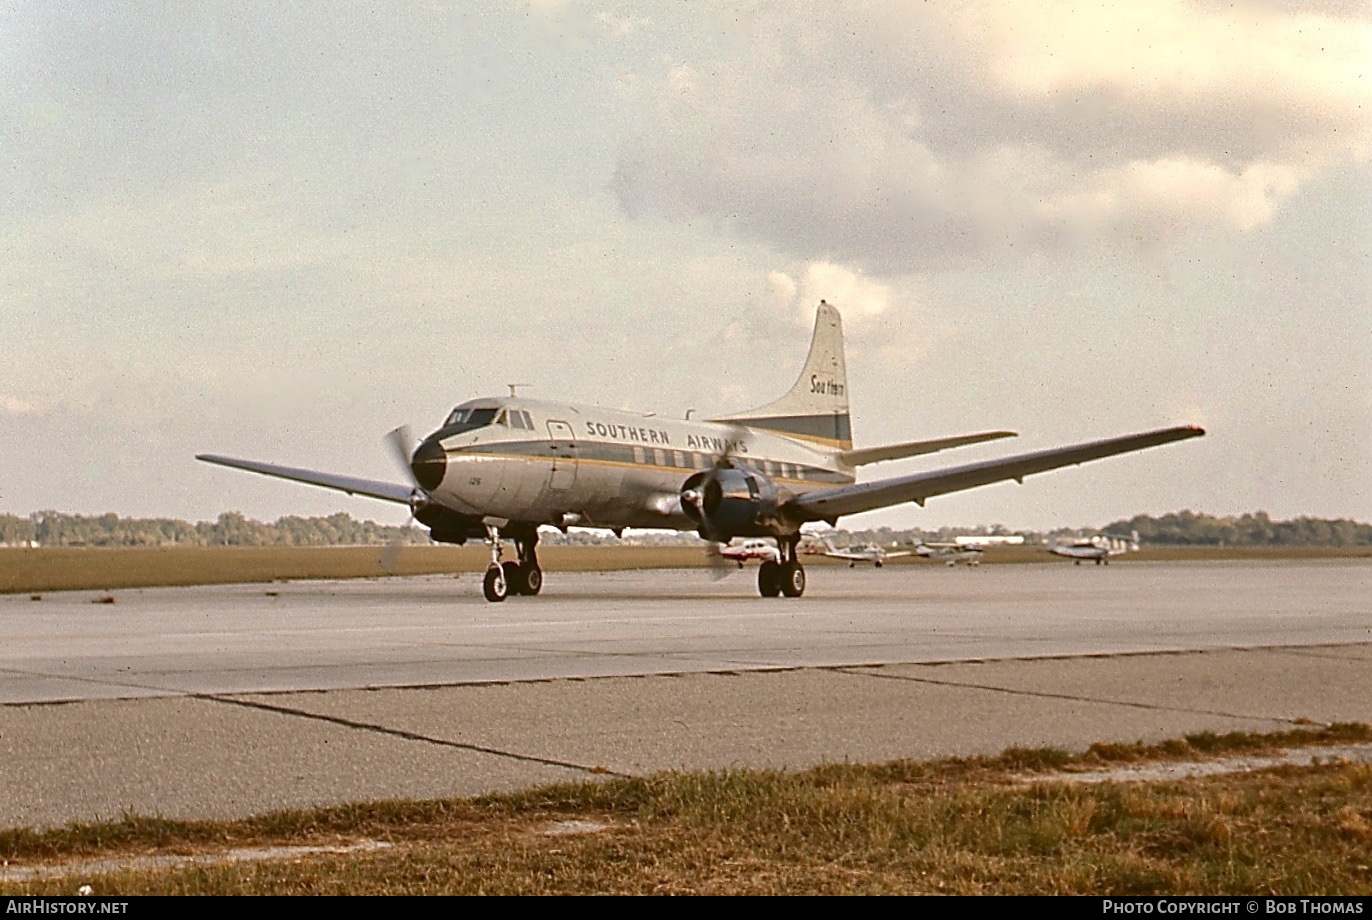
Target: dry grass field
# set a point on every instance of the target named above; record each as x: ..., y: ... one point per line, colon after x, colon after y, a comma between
x: 1010, y: 825
x: 64, y: 569
x: 25, y: 570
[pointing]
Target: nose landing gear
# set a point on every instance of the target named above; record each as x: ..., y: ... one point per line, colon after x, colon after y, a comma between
x: 505, y: 578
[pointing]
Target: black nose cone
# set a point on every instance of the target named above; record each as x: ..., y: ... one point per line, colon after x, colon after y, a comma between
x: 429, y: 463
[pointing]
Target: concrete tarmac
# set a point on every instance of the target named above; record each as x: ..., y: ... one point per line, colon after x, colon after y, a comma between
x: 236, y: 700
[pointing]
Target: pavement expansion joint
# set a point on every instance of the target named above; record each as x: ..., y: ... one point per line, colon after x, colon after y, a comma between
x: 1072, y: 697
x: 1324, y: 653
x: 596, y: 770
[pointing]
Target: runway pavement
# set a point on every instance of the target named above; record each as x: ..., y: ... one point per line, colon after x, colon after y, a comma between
x: 234, y: 700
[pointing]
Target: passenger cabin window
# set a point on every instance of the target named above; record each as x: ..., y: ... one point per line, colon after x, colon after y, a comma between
x: 502, y: 420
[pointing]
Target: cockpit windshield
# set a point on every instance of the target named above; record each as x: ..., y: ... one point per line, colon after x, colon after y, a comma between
x: 464, y: 419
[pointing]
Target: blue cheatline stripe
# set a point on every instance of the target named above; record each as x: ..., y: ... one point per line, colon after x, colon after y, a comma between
x: 623, y: 455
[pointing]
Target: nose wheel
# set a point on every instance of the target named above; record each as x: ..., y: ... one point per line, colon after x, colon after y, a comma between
x: 494, y: 585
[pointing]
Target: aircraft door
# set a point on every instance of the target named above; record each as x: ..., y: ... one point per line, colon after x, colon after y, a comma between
x: 563, y: 445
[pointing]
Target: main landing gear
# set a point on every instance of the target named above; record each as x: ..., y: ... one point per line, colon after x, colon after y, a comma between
x: 505, y: 578
x: 786, y: 577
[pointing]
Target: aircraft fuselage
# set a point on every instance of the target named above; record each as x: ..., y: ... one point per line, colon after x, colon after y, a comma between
x: 558, y: 462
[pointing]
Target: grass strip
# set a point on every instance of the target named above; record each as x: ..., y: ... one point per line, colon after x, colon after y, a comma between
x: 964, y: 826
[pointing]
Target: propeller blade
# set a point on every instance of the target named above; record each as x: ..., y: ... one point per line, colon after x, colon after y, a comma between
x: 401, y: 443
x: 389, y: 559
x: 735, y: 437
x: 719, y: 567
x: 402, y: 447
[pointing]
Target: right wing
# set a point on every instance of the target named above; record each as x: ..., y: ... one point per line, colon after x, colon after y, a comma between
x: 387, y: 491
x: 829, y: 504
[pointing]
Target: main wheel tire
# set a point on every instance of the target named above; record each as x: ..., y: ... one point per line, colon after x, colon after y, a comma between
x: 533, y: 579
x: 495, y: 585
x: 792, y: 579
x: 514, y: 578
x: 769, y: 578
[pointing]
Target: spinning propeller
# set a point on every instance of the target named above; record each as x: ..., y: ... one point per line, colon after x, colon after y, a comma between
x: 402, y: 447
x: 703, y: 492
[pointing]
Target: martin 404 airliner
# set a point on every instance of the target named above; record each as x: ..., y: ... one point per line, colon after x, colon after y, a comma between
x: 500, y: 467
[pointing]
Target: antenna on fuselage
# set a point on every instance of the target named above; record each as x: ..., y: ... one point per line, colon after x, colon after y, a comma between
x: 512, y: 387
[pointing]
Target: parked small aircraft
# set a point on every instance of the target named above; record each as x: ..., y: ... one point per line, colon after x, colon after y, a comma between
x: 751, y: 549
x: 951, y: 553
x: 1098, y: 549
x: 874, y: 553
x: 501, y: 467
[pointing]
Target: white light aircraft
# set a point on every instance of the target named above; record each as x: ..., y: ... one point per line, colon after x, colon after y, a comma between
x: 751, y: 549
x: 501, y: 467
x: 874, y: 553
x: 985, y: 540
x: 951, y: 553
x: 1097, y: 549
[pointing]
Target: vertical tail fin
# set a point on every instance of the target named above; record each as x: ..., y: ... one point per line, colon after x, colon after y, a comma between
x: 816, y: 408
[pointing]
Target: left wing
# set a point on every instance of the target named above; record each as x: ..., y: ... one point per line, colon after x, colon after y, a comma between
x: 386, y: 491
x: 827, y: 504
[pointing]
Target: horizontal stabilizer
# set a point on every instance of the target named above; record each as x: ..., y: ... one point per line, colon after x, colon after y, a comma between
x: 386, y: 491
x: 915, y: 448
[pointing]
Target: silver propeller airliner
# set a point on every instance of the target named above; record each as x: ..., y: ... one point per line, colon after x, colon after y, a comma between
x: 501, y: 467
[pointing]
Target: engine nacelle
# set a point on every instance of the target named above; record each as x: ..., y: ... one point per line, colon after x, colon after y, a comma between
x: 729, y: 503
x: 446, y: 525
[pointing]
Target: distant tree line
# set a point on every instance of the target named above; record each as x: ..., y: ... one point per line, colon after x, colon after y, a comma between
x: 52, y: 528
x: 1184, y: 528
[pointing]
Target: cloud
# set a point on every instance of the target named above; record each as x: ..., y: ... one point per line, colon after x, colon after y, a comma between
x: 882, y: 322
x: 862, y: 300
x: 897, y: 137
x: 11, y: 406
x: 621, y: 25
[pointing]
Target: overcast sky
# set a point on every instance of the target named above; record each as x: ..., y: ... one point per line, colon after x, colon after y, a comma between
x: 279, y: 230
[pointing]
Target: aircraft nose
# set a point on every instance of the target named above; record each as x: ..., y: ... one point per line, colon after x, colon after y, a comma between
x: 428, y: 464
